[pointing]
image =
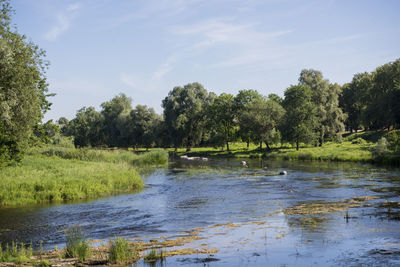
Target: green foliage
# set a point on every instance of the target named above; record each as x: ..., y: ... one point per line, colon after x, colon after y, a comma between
x: 185, y: 112
x: 115, y: 114
x: 76, y: 245
x: 16, y: 253
x: 359, y: 141
x: 381, y: 147
x: 221, y: 119
x: 393, y: 138
x: 144, y: 126
x: 261, y: 117
x: 325, y: 97
x: 48, y: 179
x: 154, y: 157
x: 153, y: 256
x: 120, y: 252
x: 301, y: 120
x: 23, y: 89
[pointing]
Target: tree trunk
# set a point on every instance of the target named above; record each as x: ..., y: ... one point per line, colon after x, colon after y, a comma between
x: 188, y: 149
x: 260, y: 145
x: 176, y: 149
x: 248, y: 144
x: 268, y: 148
x: 227, y: 146
x: 297, y: 145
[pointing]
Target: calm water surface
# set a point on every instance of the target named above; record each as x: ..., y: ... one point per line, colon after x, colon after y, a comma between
x: 189, y: 196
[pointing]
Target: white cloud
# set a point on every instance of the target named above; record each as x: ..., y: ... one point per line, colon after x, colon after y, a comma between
x: 63, y: 22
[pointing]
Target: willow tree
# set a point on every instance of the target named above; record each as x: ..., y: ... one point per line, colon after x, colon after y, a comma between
x: 185, y: 111
x: 325, y: 97
x: 23, y: 88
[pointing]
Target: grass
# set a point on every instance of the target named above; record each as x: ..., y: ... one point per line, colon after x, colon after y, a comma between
x: 59, y: 174
x: 42, y: 179
x: 16, y: 253
x: 356, y: 147
x: 153, y: 256
x: 77, y: 246
x: 120, y: 252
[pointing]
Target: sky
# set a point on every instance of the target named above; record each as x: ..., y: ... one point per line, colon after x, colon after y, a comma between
x: 98, y: 49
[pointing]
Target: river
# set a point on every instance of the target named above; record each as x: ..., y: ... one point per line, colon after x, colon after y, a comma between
x: 324, y: 214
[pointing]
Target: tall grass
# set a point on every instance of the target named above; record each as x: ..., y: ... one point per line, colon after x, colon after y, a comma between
x: 77, y: 245
x: 154, y: 157
x: 46, y: 179
x: 16, y: 253
x: 120, y: 251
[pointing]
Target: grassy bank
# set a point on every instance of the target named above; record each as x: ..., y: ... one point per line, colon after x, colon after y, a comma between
x: 56, y: 174
x: 356, y: 147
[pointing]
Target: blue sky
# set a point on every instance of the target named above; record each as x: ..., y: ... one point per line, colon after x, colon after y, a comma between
x: 143, y: 48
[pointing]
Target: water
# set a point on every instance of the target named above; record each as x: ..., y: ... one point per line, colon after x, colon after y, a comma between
x: 203, y: 196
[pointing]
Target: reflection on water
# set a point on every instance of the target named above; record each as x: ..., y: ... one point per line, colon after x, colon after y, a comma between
x: 199, y: 195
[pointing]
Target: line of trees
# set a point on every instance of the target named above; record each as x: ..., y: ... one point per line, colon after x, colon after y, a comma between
x: 312, y: 112
x: 192, y: 116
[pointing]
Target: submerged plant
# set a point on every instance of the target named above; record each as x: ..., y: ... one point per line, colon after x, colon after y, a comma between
x: 153, y: 256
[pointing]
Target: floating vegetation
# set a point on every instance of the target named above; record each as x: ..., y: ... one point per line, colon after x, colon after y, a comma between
x: 322, y: 207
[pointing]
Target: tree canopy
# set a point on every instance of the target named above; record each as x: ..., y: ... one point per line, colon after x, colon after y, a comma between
x: 23, y: 88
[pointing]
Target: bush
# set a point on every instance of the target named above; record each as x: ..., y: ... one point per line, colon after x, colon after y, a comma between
x: 77, y: 246
x: 120, y: 251
x: 393, y: 138
x: 381, y: 147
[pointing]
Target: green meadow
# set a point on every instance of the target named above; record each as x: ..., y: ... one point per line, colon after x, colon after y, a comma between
x: 56, y: 174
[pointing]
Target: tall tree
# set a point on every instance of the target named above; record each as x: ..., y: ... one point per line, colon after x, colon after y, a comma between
x: 326, y: 98
x: 184, y: 114
x: 300, y: 121
x: 384, y: 108
x: 222, y: 119
x: 241, y: 100
x: 23, y: 88
x: 144, y: 124
x: 115, y: 113
x: 86, y: 128
x: 354, y: 101
x: 262, y: 117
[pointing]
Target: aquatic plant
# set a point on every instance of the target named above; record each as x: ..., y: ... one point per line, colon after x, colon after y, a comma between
x: 154, y: 256
x: 16, y: 253
x: 120, y: 251
x: 76, y: 245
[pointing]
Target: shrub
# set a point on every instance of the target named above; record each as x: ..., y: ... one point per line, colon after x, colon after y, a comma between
x: 121, y: 252
x: 77, y: 246
x: 381, y: 147
x: 393, y: 138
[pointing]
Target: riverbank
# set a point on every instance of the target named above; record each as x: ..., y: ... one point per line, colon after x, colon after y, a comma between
x: 56, y: 174
x: 357, y: 147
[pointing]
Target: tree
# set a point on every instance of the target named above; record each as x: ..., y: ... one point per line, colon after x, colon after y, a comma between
x: 144, y: 124
x: 86, y: 128
x: 384, y: 103
x: 261, y: 117
x: 354, y: 101
x: 115, y: 113
x: 184, y: 114
x: 23, y: 94
x: 222, y: 119
x: 300, y: 120
x: 325, y: 97
x: 241, y: 100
